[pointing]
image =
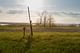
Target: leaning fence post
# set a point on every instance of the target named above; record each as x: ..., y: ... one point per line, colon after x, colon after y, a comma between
x: 31, y: 30
x: 29, y: 40
x: 24, y: 30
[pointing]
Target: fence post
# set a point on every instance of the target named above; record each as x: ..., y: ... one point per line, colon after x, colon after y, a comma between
x: 24, y: 30
x: 31, y: 30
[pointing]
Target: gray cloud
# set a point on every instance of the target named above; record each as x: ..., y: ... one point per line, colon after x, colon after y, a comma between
x: 1, y: 11
x: 15, y: 12
x: 72, y: 14
x: 69, y: 14
x: 57, y: 13
x: 12, y: 3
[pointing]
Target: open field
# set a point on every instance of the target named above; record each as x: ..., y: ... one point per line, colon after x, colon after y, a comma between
x: 39, y: 29
x: 43, y: 42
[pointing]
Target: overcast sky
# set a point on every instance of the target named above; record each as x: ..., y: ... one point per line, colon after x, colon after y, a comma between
x: 64, y: 11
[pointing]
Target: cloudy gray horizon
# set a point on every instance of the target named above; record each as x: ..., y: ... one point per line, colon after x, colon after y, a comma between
x: 63, y: 11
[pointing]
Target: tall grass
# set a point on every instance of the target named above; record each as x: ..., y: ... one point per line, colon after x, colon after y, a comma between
x: 43, y: 42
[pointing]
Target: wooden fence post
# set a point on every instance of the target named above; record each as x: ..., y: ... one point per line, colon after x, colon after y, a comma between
x: 24, y: 30
x: 29, y: 42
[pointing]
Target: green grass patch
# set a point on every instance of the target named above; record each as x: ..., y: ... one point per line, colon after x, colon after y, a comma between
x: 43, y: 42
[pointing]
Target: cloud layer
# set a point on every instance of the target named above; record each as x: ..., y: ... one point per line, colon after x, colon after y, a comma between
x: 15, y: 12
x: 69, y: 14
x: 0, y: 11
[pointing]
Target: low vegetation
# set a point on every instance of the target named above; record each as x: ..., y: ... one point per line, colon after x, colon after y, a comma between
x: 43, y: 42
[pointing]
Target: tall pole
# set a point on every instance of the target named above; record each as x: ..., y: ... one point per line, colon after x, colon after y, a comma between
x: 31, y: 31
x: 29, y: 42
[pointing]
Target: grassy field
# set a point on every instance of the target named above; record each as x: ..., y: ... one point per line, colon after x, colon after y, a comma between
x: 20, y: 27
x: 43, y: 42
